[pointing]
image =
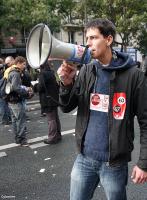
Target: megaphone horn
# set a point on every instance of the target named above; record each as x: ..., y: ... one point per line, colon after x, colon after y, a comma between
x: 41, y: 45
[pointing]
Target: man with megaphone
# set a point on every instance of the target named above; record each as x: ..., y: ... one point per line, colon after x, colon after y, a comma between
x: 108, y: 93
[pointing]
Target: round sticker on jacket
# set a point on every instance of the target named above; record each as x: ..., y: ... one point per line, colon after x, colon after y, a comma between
x: 95, y: 99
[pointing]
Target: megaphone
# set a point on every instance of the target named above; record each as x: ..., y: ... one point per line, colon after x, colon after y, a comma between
x: 41, y: 45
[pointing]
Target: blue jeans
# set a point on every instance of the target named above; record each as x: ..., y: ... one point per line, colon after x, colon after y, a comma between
x: 18, y: 121
x: 87, y: 173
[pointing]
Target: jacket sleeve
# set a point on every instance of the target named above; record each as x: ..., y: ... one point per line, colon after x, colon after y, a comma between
x: 141, y: 112
x: 68, y: 95
x: 46, y: 79
x: 16, y: 84
x: 40, y: 86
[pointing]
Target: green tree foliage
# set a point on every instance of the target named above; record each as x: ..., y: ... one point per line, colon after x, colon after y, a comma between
x: 66, y: 9
x: 142, y: 40
x: 24, y: 14
x: 128, y: 16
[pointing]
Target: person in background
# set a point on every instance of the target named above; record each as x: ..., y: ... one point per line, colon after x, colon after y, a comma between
x: 26, y: 78
x: 144, y: 63
x: 9, y: 61
x: 1, y: 67
x: 3, y: 119
x: 26, y: 81
x: 42, y: 114
x: 138, y: 63
x: 108, y: 92
x: 16, y: 99
x: 5, y: 116
x: 49, y: 95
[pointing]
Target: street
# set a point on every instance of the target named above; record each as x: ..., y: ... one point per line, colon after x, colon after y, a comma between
x: 43, y: 171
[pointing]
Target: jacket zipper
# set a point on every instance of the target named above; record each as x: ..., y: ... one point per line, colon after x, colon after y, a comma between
x: 109, y: 120
x: 108, y: 163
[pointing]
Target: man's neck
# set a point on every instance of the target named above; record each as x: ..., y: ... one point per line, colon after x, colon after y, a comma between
x: 106, y: 59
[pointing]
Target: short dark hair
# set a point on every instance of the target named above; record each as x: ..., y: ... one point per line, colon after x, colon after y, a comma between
x: 20, y: 59
x: 105, y: 26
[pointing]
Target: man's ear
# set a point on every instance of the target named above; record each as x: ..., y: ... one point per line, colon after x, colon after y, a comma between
x: 109, y: 40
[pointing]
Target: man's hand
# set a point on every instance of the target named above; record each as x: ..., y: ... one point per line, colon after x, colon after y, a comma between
x: 29, y: 89
x: 30, y: 92
x: 66, y: 73
x: 138, y: 175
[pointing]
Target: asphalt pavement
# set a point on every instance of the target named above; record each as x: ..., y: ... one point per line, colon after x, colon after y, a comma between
x: 43, y: 171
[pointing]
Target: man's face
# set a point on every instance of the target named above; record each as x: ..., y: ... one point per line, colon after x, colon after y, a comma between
x: 9, y: 62
x: 21, y: 65
x: 98, y: 44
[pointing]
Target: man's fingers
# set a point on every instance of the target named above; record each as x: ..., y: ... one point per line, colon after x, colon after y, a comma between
x: 133, y: 174
x: 69, y: 65
x: 139, y: 180
x: 136, y: 180
x: 138, y: 176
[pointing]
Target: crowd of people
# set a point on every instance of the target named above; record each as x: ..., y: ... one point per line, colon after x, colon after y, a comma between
x: 13, y: 105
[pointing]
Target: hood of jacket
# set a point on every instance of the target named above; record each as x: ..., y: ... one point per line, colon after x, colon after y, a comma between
x: 120, y: 60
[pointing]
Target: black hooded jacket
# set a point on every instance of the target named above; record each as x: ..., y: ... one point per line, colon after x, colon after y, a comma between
x: 48, y: 90
x: 125, y: 78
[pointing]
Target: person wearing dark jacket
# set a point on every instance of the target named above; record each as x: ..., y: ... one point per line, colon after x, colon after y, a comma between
x: 108, y: 92
x: 26, y: 81
x: 26, y: 78
x: 49, y: 96
x: 5, y: 116
x: 18, y: 93
x: 3, y: 105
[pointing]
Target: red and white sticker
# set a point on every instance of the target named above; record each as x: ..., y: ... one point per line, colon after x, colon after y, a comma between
x: 79, y: 50
x: 99, y: 102
x: 119, y: 105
